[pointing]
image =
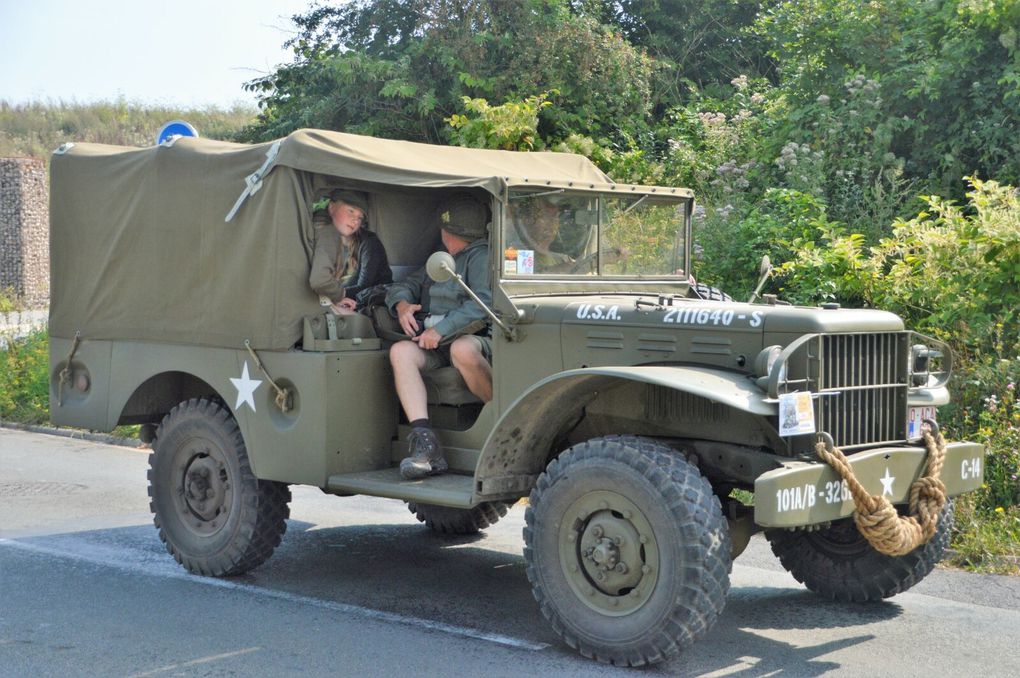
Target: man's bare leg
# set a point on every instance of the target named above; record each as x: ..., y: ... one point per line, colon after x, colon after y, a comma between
x: 466, y: 355
x: 408, y: 361
x: 425, y: 453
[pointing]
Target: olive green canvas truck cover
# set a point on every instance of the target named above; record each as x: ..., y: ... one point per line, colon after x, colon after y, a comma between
x: 141, y: 249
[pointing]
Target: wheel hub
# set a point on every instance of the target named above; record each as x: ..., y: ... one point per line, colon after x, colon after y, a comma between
x: 204, y: 494
x: 609, y: 553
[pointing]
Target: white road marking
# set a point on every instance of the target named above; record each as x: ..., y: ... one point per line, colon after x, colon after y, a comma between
x: 195, y: 662
x: 129, y: 561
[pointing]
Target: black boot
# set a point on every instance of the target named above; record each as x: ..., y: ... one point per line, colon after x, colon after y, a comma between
x: 426, y: 455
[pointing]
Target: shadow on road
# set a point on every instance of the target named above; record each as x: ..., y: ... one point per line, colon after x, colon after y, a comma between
x: 764, y: 608
x: 410, y: 571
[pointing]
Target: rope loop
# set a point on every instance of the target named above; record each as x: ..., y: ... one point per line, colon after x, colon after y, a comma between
x: 878, y: 520
x: 283, y: 400
x: 65, y: 373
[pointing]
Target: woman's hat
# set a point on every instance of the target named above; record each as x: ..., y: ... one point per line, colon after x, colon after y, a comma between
x: 355, y: 198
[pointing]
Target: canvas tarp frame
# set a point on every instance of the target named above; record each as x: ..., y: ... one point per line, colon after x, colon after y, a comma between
x: 140, y: 249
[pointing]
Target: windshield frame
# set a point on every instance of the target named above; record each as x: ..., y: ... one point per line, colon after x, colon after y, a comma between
x: 601, y: 280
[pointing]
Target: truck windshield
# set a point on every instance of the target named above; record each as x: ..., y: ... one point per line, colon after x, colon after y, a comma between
x: 558, y: 233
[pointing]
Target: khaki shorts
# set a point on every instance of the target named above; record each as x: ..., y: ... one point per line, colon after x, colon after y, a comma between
x: 440, y: 357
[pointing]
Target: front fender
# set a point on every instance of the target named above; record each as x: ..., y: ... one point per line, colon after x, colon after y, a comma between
x: 519, y: 445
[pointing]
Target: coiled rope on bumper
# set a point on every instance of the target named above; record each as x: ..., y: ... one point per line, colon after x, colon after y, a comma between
x: 877, y: 520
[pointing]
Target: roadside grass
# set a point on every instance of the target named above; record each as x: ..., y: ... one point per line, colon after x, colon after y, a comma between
x: 985, y: 540
x: 985, y: 543
x: 24, y: 381
x: 36, y: 128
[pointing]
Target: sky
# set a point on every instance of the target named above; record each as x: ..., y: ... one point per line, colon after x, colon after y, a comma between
x: 187, y: 53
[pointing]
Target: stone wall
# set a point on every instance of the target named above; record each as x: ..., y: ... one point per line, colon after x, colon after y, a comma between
x: 25, y: 230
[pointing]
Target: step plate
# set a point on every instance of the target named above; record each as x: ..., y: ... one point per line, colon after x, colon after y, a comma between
x: 449, y: 489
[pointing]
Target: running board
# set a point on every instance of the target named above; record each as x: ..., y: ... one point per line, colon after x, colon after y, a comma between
x: 448, y: 489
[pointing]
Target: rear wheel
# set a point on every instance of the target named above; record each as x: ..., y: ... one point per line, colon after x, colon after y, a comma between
x: 839, y: 563
x: 215, y: 517
x: 627, y: 550
x: 446, y: 520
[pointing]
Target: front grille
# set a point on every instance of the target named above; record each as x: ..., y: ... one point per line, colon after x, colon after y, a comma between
x: 863, y: 388
x: 861, y: 380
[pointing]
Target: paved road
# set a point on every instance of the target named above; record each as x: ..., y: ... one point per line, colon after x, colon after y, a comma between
x: 359, y: 588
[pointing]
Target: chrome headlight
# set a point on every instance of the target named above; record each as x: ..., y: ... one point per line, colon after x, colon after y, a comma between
x: 924, y: 360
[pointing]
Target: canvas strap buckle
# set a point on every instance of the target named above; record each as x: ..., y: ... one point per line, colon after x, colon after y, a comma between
x: 253, y: 182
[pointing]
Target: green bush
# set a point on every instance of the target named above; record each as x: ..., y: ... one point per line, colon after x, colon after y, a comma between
x: 511, y: 126
x: 24, y: 378
x: 782, y: 224
x: 952, y: 271
x: 986, y: 409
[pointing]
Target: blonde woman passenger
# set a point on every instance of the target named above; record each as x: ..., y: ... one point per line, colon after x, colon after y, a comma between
x: 347, y: 259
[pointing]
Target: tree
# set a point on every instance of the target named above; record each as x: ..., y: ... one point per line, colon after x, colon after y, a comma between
x: 948, y: 74
x: 398, y: 68
x: 702, y: 43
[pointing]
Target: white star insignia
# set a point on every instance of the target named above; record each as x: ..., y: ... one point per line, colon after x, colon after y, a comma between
x: 245, y: 389
x: 887, y: 482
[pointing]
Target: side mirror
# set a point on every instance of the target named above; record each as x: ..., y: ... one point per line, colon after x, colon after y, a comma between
x: 763, y: 274
x: 440, y: 266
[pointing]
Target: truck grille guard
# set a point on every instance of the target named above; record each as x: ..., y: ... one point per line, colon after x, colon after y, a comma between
x: 861, y: 381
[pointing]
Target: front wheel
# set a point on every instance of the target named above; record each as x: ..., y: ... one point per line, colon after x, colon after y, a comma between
x: 215, y: 517
x: 627, y: 550
x: 839, y: 563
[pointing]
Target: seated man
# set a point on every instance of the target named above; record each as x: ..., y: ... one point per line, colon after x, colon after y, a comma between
x: 429, y: 312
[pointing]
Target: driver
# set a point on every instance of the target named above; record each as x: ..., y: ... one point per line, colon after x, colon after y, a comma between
x: 538, y: 223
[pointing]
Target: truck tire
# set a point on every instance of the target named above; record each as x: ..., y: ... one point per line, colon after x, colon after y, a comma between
x: 215, y: 517
x: 700, y: 291
x: 840, y: 564
x: 446, y: 520
x: 627, y: 550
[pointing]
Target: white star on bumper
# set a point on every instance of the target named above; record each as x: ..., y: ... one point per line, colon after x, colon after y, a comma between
x: 887, y: 482
x: 245, y: 389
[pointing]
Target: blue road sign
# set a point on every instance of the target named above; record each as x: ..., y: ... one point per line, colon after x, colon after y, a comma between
x: 175, y: 128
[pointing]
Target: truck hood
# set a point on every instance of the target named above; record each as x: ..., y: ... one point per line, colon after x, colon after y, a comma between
x: 696, y: 313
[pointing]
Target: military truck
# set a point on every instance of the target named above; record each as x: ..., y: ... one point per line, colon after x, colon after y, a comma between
x: 635, y: 410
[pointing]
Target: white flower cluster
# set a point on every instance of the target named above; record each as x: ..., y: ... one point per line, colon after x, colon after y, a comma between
x: 794, y: 154
x: 864, y: 88
x: 862, y: 84
x: 740, y: 82
x: 709, y: 119
x: 742, y: 115
x: 731, y: 175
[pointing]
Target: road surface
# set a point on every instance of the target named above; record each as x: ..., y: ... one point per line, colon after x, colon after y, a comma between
x: 358, y: 587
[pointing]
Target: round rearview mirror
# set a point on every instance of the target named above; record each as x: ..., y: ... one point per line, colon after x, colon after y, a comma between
x: 440, y: 266
x: 766, y: 266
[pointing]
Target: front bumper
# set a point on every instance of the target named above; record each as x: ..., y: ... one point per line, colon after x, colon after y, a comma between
x: 805, y: 493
